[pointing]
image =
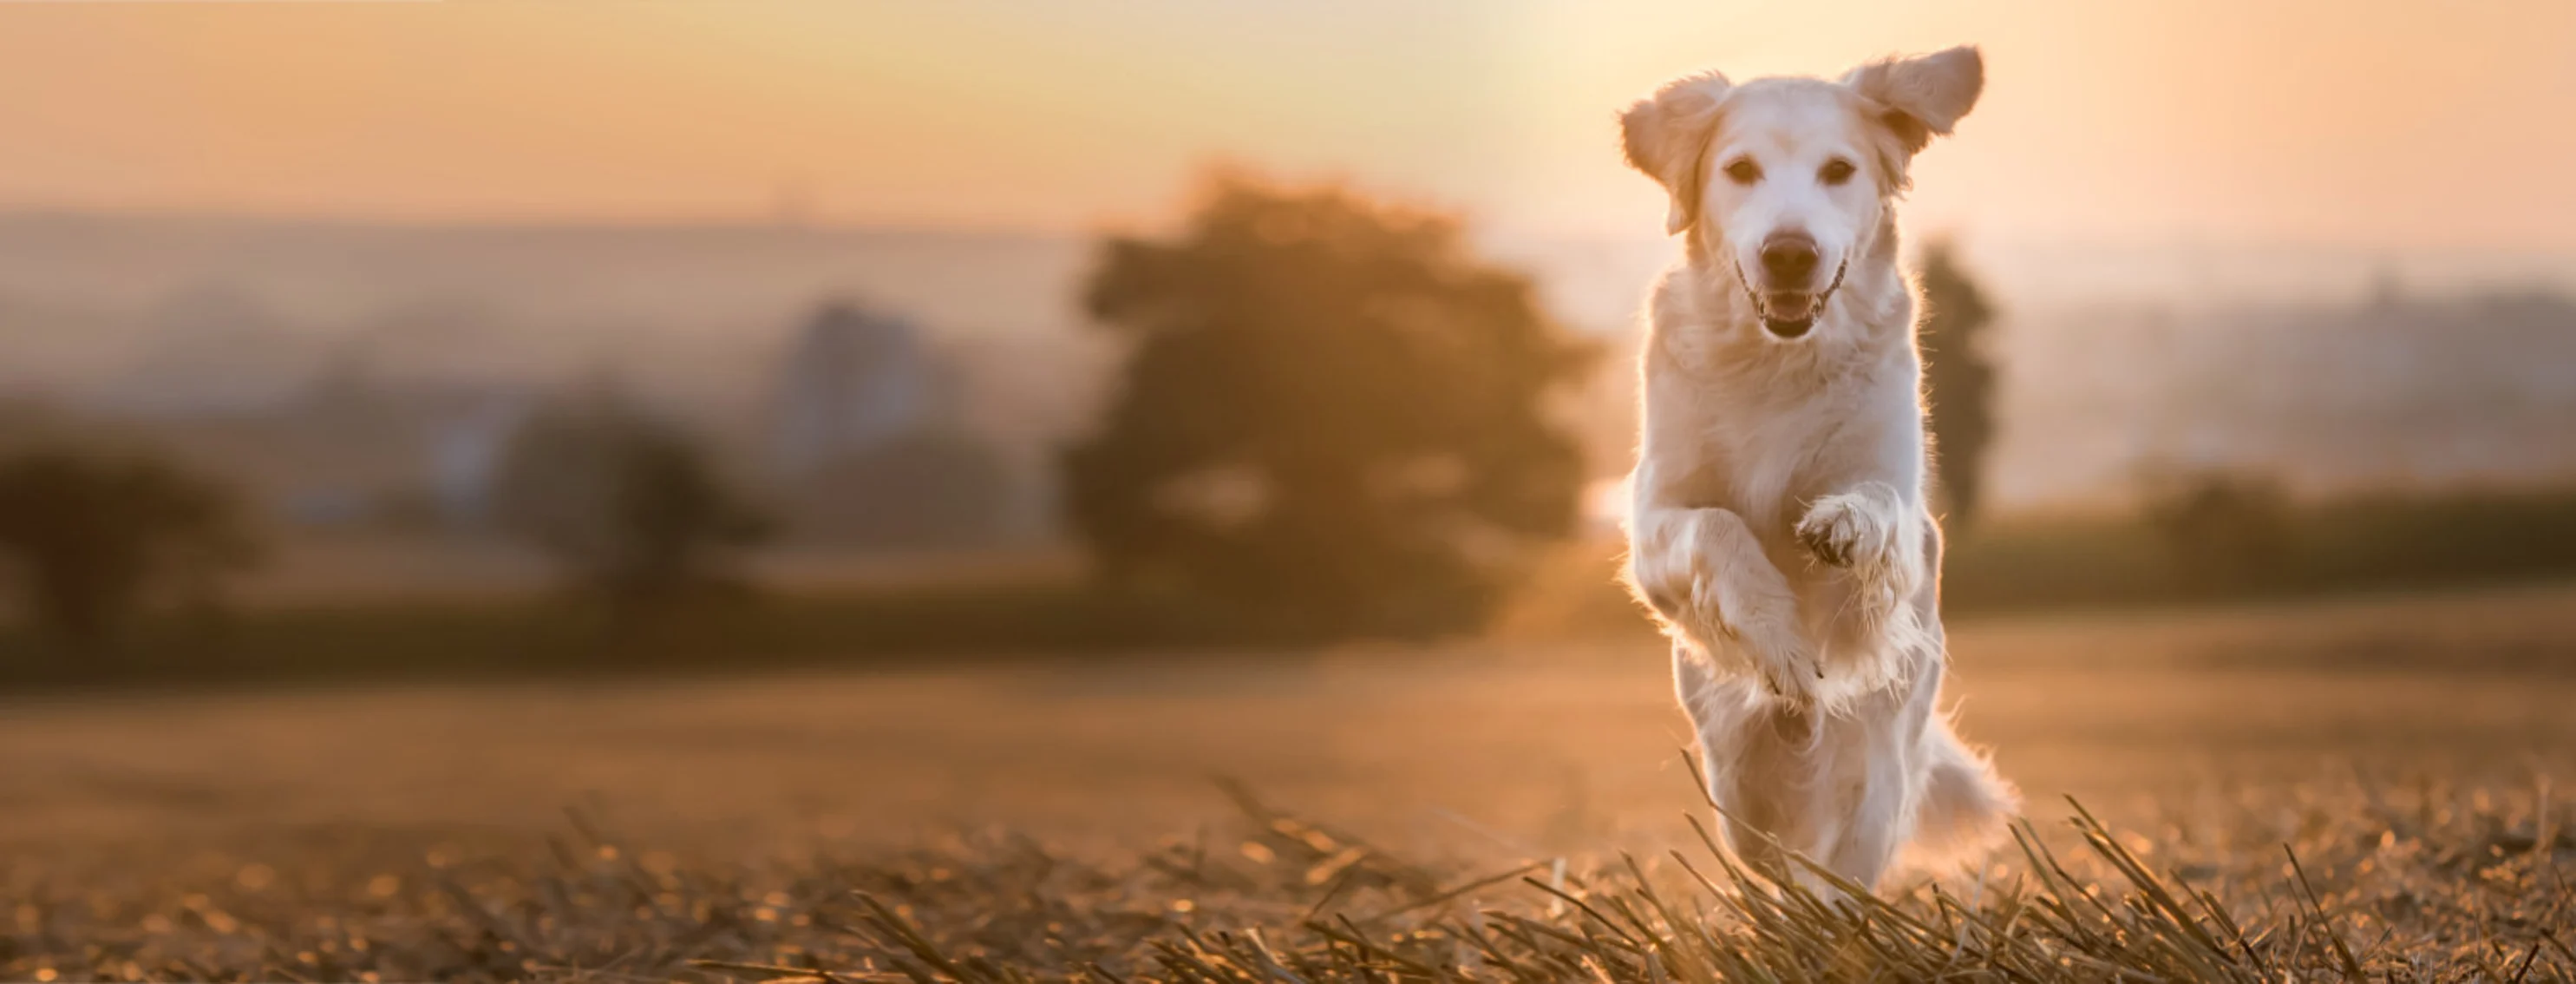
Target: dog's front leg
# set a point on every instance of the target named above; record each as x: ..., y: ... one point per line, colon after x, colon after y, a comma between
x: 1879, y: 534
x: 1704, y: 572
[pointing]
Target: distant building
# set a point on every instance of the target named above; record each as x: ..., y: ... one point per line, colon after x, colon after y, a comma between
x: 467, y: 442
x: 853, y: 381
x: 354, y: 448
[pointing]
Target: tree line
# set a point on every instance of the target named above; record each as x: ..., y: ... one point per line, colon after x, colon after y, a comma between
x: 1335, y: 418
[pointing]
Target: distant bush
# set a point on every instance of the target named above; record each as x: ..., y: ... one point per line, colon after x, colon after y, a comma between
x: 628, y: 505
x: 2224, y: 531
x: 928, y: 489
x: 89, y: 535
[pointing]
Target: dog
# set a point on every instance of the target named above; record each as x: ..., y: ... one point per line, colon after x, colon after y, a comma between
x: 1778, y: 529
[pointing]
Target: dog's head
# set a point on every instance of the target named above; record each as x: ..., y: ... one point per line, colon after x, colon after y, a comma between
x: 1784, y: 181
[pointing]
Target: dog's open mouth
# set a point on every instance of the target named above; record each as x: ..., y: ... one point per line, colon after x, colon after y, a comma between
x: 1788, y: 313
x: 1791, y: 313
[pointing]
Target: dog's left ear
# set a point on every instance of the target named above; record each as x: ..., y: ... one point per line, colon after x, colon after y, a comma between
x: 1666, y: 136
x: 1923, y: 96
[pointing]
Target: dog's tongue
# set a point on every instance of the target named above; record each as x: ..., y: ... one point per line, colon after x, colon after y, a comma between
x: 1785, y: 305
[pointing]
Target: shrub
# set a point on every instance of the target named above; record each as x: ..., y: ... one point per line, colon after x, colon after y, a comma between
x: 92, y: 534
x: 628, y: 505
x: 2224, y: 531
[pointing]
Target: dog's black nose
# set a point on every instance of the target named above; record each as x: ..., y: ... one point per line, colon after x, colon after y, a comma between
x: 1790, y: 259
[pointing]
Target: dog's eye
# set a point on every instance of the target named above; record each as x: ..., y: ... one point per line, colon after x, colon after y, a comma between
x: 1744, y: 171
x: 1835, y: 171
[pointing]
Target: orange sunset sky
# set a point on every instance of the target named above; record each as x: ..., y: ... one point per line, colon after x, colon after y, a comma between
x: 2369, y: 124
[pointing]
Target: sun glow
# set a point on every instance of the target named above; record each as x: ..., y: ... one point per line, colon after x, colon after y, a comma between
x: 2219, y: 121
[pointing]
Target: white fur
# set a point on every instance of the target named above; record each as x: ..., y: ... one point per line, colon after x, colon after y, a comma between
x: 1812, y: 684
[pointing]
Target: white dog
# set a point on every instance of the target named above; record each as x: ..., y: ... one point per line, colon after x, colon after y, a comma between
x: 1779, y: 529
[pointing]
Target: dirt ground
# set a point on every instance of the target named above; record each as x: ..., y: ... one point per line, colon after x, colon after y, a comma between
x: 1523, y: 747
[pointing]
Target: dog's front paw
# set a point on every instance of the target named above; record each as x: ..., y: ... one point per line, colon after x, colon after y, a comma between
x: 1780, y: 653
x: 1759, y: 635
x: 1763, y: 634
x: 1848, y: 529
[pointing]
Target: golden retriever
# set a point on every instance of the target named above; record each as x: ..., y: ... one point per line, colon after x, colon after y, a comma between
x: 1779, y: 529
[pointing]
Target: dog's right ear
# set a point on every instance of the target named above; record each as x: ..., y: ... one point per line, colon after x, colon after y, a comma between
x: 1923, y: 97
x: 1666, y: 136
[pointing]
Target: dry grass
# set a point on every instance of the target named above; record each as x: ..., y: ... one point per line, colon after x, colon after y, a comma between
x: 2364, y: 882
x: 802, y: 827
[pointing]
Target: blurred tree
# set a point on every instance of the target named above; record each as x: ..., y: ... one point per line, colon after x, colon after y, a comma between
x: 90, y: 535
x: 1333, y: 414
x: 1959, y: 378
x: 629, y: 505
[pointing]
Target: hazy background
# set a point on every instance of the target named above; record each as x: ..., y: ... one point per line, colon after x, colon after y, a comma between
x: 2180, y: 206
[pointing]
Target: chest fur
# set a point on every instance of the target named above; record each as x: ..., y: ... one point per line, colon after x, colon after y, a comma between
x: 1766, y: 443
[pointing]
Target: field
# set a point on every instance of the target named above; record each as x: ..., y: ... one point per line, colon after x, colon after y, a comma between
x: 989, y: 822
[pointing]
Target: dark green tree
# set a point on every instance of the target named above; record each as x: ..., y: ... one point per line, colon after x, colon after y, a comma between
x: 1960, y: 378
x: 91, y: 535
x: 627, y: 504
x: 1334, y: 415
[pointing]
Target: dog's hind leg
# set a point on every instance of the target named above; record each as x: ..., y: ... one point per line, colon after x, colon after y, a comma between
x: 1966, y: 806
x: 1755, y: 760
x: 1878, y: 785
x: 1875, y: 758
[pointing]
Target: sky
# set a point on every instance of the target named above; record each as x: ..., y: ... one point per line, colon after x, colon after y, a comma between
x: 2368, y: 124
